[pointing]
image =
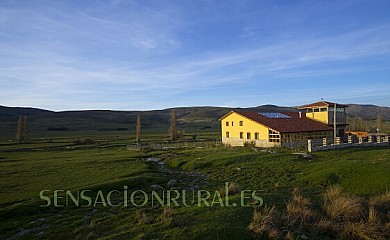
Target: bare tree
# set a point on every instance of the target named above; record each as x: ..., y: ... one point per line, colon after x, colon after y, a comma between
x: 379, y: 123
x: 25, y: 129
x: 19, y: 130
x: 138, y: 130
x: 360, y: 126
x: 173, y: 128
x: 22, y: 129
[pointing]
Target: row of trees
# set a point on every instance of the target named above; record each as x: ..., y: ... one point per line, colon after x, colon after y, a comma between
x: 358, y: 124
x: 172, y: 128
x: 22, y: 128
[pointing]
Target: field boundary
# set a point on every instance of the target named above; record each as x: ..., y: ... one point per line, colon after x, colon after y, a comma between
x: 174, y: 144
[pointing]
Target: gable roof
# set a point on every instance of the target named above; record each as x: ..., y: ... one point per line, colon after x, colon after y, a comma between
x: 322, y: 104
x: 285, y: 125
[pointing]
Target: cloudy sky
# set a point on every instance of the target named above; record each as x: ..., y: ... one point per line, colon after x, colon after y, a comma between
x: 140, y: 54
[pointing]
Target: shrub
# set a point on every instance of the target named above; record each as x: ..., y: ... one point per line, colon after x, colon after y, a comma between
x: 84, y: 141
x: 249, y: 144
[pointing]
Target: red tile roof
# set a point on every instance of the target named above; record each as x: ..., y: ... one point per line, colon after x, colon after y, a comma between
x: 286, y: 125
x: 322, y: 104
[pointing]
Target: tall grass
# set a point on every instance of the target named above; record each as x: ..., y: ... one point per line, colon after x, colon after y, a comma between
x: 339, y: 205
x: 343, y: 216
x: 298, y: 213
x: 265, y: 223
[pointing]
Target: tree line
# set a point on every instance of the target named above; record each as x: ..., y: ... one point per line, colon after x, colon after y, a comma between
x: 359, y: 124
x: 172, y: 127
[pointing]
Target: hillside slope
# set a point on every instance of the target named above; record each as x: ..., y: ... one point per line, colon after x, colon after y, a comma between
x: 189, y: 118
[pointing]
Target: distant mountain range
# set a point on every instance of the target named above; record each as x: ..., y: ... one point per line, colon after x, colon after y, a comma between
x: 106, y: 120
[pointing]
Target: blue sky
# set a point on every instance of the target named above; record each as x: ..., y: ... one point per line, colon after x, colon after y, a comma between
x: 139, y: 55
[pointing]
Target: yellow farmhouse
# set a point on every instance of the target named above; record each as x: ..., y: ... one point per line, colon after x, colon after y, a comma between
x: 276, y: 129
x: 324, y: 112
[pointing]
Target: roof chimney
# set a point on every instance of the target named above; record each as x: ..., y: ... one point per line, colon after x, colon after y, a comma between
x: 300, y: 114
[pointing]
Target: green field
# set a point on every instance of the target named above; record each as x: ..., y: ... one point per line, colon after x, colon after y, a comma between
x: 58, y: 164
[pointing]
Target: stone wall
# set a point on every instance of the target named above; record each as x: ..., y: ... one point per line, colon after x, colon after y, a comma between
x: 237, y: 142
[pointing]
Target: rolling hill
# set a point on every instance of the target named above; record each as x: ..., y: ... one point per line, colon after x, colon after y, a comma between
x: 189, y: 118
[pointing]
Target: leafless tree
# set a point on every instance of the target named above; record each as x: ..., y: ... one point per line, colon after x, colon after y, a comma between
x: 173, y: 128
x: 138, y: 130
x: 379, y: 123
x: 22, y: 130
x: 360, y: 126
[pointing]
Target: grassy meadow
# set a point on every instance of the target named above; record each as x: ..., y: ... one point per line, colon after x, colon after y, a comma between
x: 57, y: 163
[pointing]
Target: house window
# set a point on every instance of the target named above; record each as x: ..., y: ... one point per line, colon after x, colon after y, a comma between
x: 257, y: 136
x: 227, y: 124
x: 232, y: 123
x: 241, y: 123
x: 309, y: 110
x: 273, y: 136
x: 323, y: 109
x: 316, y: 109
x: 248, y: 135
x: 227, y: 134
x: 241, y: 135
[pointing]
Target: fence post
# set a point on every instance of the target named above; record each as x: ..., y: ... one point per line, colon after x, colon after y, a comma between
x: 324, y: 142
x: 378, y: 139
x: 360, y: 140
x: 336, y: 141
x: 309, y: 145
x: 350, y: 139
x: 370, y: 139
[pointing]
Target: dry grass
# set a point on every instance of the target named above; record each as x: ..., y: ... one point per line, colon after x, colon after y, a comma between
x: 325, y: 226
x: 264, y: 223
x: 382, y: 205
x: 289, y: 236
x: 345, y: 217
x: 298, y: 213
x: 141, y: 217
x: 341, y: 206
x: 166, y: 216
x: 361, y: 230
x: 372, y: 215
x: 233, y: 189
